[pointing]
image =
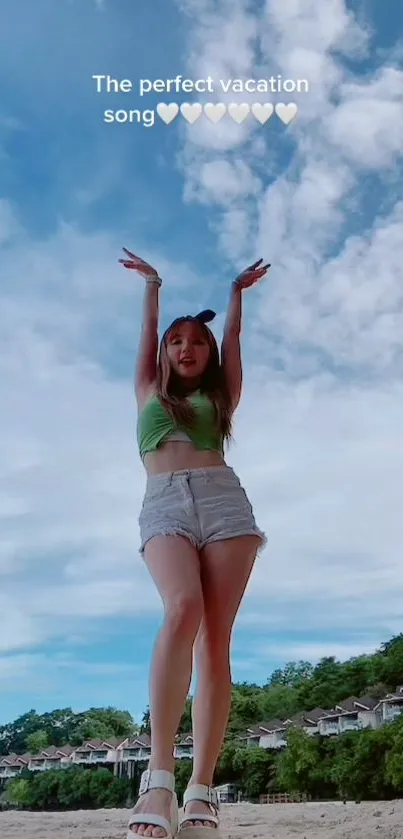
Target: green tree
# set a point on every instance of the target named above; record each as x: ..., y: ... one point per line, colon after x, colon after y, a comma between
x: 37, y: 741
x: 102, y: 723
x: 63, y: 726
x: 293, y: 674
x: 145, y: 726
x: 297, y: 764
x: 394, y: 758
x: 13, y: 736
x: 358, y: 673
x: 45, y: 790
x: 325, y: 687
x: 18, y: 793
x: 256, y: 768
x: 245, y: 708
x: 392, y: 661
x: 185, y: 725
x: 277, y: 702
x: 359, y: 764
x: 226, y: 770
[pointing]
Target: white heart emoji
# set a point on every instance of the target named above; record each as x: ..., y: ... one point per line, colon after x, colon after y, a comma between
x: 238, y: 112
x: 167, y: 112
x: 286, y: 112
x: 214, y: 112
x: 262, y: 111
x: 191, y: 111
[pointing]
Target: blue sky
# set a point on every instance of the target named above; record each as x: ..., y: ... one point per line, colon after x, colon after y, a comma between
x: 318, y: 434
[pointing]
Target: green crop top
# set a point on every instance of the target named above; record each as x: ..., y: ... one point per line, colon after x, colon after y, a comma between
x: 155, y: 423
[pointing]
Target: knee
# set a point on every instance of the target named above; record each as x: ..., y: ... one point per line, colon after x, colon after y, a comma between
x: 213, y: 648
x: 183, y: 616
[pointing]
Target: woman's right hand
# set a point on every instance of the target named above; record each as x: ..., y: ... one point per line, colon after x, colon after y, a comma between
x: 135, y: 263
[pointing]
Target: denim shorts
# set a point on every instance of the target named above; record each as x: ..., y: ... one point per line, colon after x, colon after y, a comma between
x: 204, y: 505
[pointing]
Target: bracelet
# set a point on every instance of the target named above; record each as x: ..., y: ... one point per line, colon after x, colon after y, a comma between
x: 154, y: 280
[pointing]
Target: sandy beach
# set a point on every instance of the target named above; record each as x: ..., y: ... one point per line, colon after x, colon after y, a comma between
x: 369, y: 820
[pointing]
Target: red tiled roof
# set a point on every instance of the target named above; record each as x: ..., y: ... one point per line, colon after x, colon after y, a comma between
x: 140, y: 740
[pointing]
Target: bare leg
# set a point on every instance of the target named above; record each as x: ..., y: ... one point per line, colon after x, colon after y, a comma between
x: 175, y: 567
x: 225, y: 570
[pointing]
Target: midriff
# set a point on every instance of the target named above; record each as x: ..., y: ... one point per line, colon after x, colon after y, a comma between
x: 174, y: 456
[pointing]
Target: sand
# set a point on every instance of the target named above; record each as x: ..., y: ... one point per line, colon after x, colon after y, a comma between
x: 369, y: 820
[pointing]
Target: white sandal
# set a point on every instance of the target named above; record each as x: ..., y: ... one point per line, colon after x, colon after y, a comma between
x: 156, y: 779
x: 200, y: 792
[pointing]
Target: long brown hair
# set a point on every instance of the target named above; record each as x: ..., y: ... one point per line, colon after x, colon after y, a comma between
x: 171, y: 391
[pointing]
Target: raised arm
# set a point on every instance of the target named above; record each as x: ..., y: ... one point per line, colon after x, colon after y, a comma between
x: 230, y: 348
x: 146, y: 362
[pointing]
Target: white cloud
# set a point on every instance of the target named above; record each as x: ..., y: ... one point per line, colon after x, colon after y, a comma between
x: 18, y: 629
x: 367, y: 126
x: 350, y: 307
x: 311, y: 25
x: 222, y: 180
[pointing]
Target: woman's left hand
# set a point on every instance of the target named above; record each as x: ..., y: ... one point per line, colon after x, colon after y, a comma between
x: 250, y: 276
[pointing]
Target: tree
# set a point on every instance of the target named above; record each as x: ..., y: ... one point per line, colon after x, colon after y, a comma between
x: 37, y: 741
x: 185, y: 725
x: 392, y: 662
x: 227, y: 769
x: 63, y: 726
x: 18, y: 793
x: 292, y: 675
x: 245, y: 709
x: 70, y: 789
x: 359, y: 672
x: 297, y: 764
x: 255, y: 767
x: 145, y: 727
x: 278, y: 702
x: 102, y: 723
x: 393, y: 758
x: 325, y: 686
x: 13, y: 736
x: 359, y: 764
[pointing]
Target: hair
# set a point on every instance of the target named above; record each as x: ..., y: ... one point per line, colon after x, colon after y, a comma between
x: 172, y: 393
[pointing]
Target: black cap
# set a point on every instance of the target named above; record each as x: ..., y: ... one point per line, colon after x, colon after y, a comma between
x: 206, y: 316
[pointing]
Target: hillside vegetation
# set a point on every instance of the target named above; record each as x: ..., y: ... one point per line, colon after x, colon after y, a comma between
x: 361, y: 765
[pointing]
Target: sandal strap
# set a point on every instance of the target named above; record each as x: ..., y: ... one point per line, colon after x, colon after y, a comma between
x: 156, y: 779
x: 201, y: 792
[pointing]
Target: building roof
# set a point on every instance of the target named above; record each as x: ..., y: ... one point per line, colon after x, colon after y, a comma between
x: 136, y: 742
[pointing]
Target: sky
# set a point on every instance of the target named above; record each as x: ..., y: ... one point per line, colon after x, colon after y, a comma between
x: 318, y: 435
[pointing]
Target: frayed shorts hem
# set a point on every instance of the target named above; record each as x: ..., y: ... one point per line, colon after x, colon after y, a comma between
x: 167, y: 531
x: 222, y: 537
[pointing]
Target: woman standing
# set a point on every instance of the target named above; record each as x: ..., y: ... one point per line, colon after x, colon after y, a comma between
x: 199, y: 540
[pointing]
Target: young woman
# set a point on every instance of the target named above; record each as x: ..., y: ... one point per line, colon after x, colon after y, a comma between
x: 199, y: 540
